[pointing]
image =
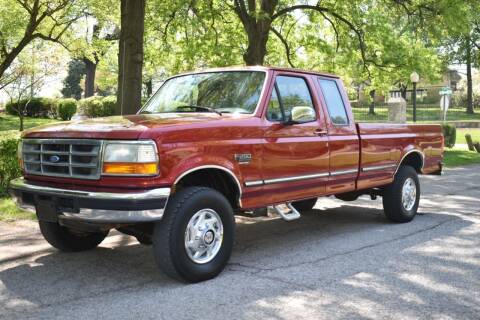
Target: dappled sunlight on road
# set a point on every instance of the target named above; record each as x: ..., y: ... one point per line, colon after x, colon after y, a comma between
x: 341, y: 260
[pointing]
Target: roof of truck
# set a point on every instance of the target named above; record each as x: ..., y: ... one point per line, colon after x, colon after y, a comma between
x: 263, y: 68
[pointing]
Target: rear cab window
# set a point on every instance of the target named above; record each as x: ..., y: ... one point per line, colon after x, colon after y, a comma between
x: 333, y: 99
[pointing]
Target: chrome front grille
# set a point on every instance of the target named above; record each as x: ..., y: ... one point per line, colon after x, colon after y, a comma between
x: 69, y: 158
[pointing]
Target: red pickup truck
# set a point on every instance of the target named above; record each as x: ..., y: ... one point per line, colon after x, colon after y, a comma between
x: 210, y: 145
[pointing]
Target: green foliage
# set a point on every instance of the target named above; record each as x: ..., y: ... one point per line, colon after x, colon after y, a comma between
x: 450, y: 135
x: 71, y: 83
x: 97, y: 106
x: 36, y: 107
x: 9, y: 168
x: 460, y: 157
x: 66, y: 108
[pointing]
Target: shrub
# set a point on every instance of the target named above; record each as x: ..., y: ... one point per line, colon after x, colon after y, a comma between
x: 9, y: 168
x: 66, y: 108
x: 37, y: 107
x: 450, y: 135
x: 97, y: 106
x: 109, y: 104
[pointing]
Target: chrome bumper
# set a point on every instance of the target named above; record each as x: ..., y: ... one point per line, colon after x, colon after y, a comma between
x: 90, y: 206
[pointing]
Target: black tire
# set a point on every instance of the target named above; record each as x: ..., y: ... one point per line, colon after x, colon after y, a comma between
x: 169, y: 234
x: 392, y: 196
x: 304, y: 205
x: 64, y: 239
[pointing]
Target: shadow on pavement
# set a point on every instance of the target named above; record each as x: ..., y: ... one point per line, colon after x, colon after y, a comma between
x: 347, y: 255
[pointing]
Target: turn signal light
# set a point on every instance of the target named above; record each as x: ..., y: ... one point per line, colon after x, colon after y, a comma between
x: 130, y: 168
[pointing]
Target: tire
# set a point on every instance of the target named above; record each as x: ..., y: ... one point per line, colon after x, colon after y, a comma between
x: 64, y: 239
x: 170, y: 235
x: 394, y: 207
x: 305, y: 205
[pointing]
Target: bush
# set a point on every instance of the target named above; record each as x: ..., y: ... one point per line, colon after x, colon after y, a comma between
x: 109, y: 104
x: 450, y: 135
x: 9, y: 168
x: 37, y: 107
x: 97, y: 106
x: 66, y: 108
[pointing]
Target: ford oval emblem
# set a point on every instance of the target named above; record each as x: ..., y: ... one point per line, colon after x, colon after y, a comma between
x: 54, y: 158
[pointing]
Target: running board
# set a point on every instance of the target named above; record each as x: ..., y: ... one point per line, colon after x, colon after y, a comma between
x: 287, y: 211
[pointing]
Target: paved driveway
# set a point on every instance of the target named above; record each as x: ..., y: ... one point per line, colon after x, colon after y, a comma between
x: 344, y: 260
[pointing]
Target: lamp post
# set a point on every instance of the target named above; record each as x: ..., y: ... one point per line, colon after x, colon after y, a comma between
x: 414, y: 77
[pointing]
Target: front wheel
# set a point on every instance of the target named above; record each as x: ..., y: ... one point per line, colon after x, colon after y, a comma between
x: 402, y: 197
x: 69, y: 240
x: 194, y: 239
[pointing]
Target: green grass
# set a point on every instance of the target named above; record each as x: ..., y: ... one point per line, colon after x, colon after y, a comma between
x: 461, y: 132
x: 10, y: 212
x: 460, y: 157
x: 9, y: 125
x: 428, y: 113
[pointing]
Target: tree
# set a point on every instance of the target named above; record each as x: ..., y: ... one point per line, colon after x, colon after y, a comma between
x: 23, y: 21
x: 71, y: 83
x: 130, y: 57
x: 29, y: 73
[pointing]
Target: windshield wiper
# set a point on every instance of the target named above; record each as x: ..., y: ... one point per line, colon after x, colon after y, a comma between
x: 200, y: 108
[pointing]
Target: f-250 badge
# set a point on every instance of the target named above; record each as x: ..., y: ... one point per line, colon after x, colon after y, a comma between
x: 243, y: 158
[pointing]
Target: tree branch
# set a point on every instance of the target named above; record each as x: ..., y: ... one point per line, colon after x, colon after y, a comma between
x: 285, y: 44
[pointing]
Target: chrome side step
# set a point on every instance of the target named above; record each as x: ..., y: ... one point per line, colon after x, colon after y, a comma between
x: 287, y: 211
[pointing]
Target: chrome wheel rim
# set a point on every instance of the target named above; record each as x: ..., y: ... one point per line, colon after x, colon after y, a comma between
x: 203, y: 236
x: 409, y: 194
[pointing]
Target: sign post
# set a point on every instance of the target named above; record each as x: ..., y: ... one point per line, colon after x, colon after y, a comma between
x: 445, y: 92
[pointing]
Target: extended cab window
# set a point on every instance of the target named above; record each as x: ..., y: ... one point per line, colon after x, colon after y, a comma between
x: 291, y: 99
x: 334, y: 101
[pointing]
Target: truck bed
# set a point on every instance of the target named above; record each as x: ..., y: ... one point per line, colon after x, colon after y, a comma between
x: 384, y: 145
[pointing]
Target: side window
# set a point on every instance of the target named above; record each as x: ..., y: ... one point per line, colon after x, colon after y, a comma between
x: 274, y: 113
x: 293, y: 97
x: 334, y: 101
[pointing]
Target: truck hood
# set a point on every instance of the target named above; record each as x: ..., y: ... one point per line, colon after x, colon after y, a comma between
x: 116, y: 127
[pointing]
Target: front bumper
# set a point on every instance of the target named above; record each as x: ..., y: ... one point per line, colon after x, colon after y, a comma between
x: 53, y: 204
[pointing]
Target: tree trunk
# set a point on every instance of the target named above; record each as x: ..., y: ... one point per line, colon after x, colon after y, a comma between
x: 371, y: 109
x: 90, y: 71
x: 149, y: 86
x: 468, y: 61
x: 130, y: 57
x: 403, y: 91
x: 20, y: 117
x: 257, y: 45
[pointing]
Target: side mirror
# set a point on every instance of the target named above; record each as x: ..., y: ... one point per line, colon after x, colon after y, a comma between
x: 301, y: 114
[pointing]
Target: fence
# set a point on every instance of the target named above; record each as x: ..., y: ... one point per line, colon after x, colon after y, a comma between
x: 425, y: 112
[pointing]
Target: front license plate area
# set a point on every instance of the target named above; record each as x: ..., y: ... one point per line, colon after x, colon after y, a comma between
x: 47, y: 211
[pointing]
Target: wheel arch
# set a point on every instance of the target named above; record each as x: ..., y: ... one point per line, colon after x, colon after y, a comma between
x: 414, y: 158
x: 214, y: 176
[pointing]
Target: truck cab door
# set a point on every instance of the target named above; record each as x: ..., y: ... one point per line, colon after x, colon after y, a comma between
x: 295, y: 160
x: 344, y: 144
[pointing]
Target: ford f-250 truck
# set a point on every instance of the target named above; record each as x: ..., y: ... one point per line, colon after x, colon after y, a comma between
x: 210, y: 145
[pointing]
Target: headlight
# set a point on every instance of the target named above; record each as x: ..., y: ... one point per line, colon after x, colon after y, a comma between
x: 130, y: 158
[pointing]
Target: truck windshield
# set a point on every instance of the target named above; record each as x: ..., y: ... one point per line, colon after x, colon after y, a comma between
x: 221, y: 92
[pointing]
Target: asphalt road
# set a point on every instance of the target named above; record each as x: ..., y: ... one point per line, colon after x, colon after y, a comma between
x: 341, y: 261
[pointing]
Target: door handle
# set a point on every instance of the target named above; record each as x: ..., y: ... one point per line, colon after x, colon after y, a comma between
x: 321, y: 132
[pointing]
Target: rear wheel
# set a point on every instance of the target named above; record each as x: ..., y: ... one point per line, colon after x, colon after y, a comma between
x: 304, y: 205
x: 402, y: 197
x: 194, y: 239
x: 69, y: 240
